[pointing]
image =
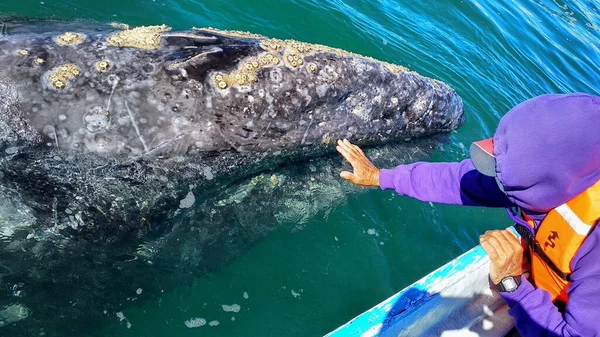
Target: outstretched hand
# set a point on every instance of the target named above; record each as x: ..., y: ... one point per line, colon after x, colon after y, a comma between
x: 365, y: 173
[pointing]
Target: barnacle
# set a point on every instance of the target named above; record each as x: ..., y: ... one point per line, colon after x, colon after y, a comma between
x: 293, y: 60
x: 247, y: 73
x: 273, y: 45
x: 292, y: 53
x: 70, y: 39
x: 103, y: 66
x: 302, y: 49
x: 62, y: 74
x: 147, y: 38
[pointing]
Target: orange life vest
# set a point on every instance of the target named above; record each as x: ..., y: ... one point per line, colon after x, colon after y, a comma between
x: 559, y: 237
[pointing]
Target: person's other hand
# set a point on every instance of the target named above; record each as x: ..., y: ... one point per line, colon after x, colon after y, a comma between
x: 505, y: 252
x: 365, y: 173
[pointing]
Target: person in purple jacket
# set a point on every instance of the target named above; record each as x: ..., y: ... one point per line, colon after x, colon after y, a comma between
x: 543, y: 165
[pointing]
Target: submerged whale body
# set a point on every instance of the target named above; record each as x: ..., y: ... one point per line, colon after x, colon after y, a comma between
x: 141, y: 116
x: 114, y: 142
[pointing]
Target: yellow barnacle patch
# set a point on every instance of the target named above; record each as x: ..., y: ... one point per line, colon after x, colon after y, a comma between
x: 299, y: 47
x: 293, y: 60
x: 302, y: 49
x: 147, y: 38
x: 247, y: 72
x: 60, y: 76
x: 293, y: 53
x: 103, y: 66
x: 23, y: 53
x: 39, y: 61
x: 273, y: 45
x: 69, y: 39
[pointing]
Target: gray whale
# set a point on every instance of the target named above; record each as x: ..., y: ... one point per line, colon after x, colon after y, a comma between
x: 138, y: 116
x: 114, y: 142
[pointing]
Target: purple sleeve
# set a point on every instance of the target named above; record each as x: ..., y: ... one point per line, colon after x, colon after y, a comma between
x: 536, y: 315
x: 447, y: 183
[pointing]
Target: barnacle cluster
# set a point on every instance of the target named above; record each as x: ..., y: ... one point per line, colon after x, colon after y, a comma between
x: 302, y: 49
x: 247, y: 72
x: 23, y: 52
x: 293, y: 60
x: 292, y: 53
x: 147, y: 38
x: 69, y: 39
x: 62, y: 74
x: 273, y: 45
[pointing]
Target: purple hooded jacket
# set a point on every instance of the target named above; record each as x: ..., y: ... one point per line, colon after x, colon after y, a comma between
x: 547, y: 152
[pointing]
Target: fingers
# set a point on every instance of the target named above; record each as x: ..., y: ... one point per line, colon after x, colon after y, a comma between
x: 348, y: 156
x: 512, y: 244
x: 492, y: 245
x: 503, y: 242
x: 350, y: 148
x: 348, y: 176
x: 489, y: 249
x: 365, y: 173
x: 354, y: 147
x: 510, y: 237
x: 344, y: 152
x: 491, y: 238
x: 346, y: 149
x: 497, y: 239
x: 505, y: 252
x: 509, y: 243
x: 352, y: 153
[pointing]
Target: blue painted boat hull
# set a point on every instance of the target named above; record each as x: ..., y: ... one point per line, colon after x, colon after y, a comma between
x: 454, y: 300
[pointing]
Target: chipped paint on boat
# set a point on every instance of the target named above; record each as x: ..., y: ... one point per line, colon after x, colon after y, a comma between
x: 454, y: 300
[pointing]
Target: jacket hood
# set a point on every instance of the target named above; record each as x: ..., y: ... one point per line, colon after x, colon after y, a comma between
x: 547, y: 150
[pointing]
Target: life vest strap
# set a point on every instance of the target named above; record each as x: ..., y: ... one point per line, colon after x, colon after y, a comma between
x: 537, y: 250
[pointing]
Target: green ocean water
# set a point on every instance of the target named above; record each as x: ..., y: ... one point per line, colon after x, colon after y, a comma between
x: 308, y: 281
